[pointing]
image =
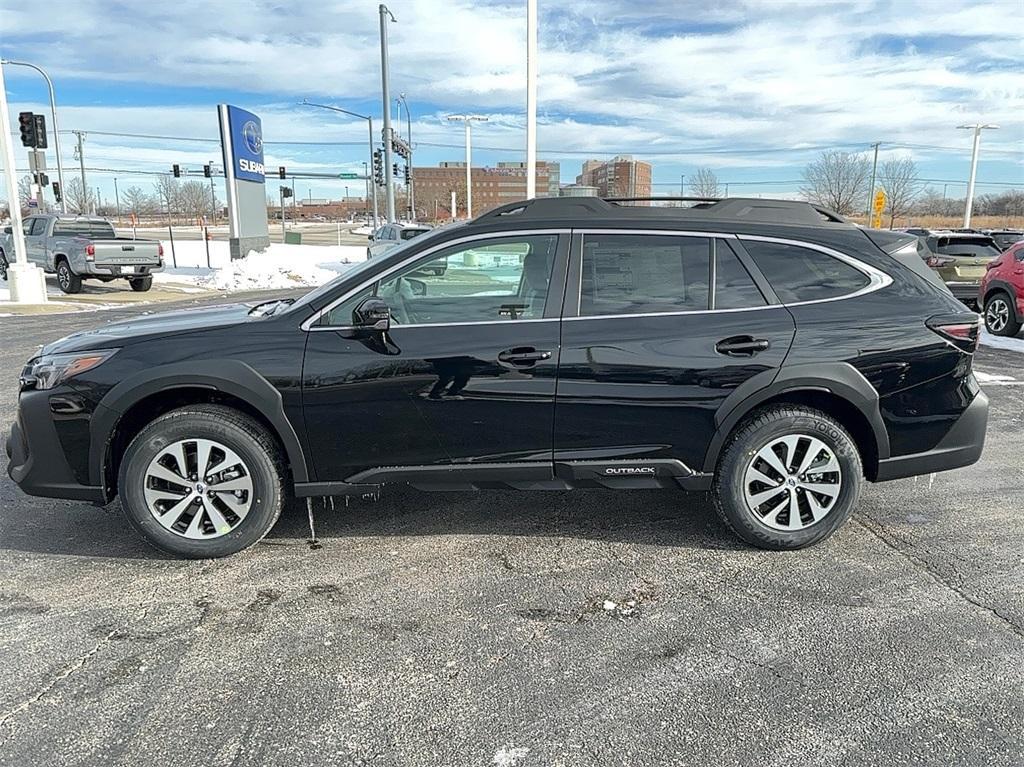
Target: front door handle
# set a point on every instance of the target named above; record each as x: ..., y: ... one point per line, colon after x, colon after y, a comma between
x: 741, y: 346
x: 523, y: 356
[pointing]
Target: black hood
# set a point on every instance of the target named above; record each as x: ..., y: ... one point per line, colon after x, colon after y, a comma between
x: 160, y: 324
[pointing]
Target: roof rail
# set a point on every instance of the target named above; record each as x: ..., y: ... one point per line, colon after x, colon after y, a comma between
x: 729, y: 208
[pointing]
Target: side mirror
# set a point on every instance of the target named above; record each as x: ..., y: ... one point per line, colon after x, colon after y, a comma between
x: 369, y: 237
x: 8, y: 230
x: 372, y: 314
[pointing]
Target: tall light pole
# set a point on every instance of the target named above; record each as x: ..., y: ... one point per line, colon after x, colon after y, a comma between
x: 389, y: 190
x: 408, y: 138
x: 531, y: 99
x: 977, y: 128
x: 56, y: 131
x: 369, y: 124
x: 468, y: 120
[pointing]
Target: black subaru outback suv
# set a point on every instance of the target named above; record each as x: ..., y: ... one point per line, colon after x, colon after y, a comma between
x: 767, y: 351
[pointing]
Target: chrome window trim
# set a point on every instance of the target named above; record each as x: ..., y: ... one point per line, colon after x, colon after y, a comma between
x: 307, y: 324
x: 877, y: 279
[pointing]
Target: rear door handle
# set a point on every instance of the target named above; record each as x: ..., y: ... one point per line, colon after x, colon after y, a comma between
x: 523, y: 356
x: 741, y: 346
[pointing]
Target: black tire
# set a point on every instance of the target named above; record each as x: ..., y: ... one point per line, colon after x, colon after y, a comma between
x: 67, y: 280
x: 231, y: 428
x: 755, y: 433
x: 999, y: 310
x: 3, y: 266
x: 141, y: 284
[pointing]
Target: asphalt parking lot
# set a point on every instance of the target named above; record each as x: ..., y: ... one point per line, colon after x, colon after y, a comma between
x: 522, y: 629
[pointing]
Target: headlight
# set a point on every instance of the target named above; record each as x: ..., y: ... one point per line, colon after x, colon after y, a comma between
x: 51, y: 369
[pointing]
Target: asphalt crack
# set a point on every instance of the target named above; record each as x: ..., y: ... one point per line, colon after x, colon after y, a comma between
x: 69, y: 670
x: 891, y: 541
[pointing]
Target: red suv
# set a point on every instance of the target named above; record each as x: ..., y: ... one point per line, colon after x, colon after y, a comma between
x: 1001, y: 294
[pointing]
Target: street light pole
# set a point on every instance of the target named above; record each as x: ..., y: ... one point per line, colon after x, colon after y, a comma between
x: 468, y: 120
x: 531, y: 99
x: 389, y: 190
x: 977, y: 128
x: 56, y: 131
x: 871, y: 191
x: 369, y: 125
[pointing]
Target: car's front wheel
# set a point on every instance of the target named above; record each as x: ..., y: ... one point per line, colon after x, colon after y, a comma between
x: 1000, y: 318
x: 788, y: 478
x: 202, y: 482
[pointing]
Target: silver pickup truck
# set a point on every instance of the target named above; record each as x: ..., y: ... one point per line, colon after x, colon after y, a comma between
x: 84, y: 247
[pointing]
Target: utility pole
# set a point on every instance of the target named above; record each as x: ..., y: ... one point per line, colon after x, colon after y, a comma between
x: 871, y: 191
x: 468, y: 120
x: 408, y: 138
x: 531, y: 99
x: 389, y: 189
x: 213, y: 197
x: 977, y: 128
x: 280, y: 191
x: 81, y: 167
x: 56, y: 130
x: 117, y: 201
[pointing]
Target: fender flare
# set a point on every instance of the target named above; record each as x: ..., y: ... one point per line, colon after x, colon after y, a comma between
x: 1004, y: 286
x: 838, y: 378
x: 229, y: 376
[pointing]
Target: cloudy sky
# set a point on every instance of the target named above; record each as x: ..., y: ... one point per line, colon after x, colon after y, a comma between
x: 751, y: 88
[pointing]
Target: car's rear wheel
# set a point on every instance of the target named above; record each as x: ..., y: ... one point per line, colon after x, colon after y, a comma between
x: 67, y: 280
x: 1000, y: 318
x: 202, y: 482
x: 141, y: 284
x: 788, y: 478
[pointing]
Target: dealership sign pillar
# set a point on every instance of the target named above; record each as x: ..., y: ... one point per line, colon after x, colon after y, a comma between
x: 241, y: 139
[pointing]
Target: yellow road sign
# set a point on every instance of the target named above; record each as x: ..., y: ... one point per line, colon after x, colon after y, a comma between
x: 879, y: 202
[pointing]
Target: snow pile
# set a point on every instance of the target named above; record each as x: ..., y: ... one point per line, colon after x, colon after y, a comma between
x: 278, y: 267
x: 1015, y: 344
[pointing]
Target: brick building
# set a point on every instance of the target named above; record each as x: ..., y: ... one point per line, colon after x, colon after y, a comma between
x: 492, y: 187
x: 621, y: 176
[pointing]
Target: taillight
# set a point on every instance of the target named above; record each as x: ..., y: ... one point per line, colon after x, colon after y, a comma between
x: 90, y: 252
x: 961, y: 330
x: 160, y: 249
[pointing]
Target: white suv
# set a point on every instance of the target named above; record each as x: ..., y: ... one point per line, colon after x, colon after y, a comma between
x: 392, y: 235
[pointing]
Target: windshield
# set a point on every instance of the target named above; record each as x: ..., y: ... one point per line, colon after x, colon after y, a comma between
x: 359, y: 269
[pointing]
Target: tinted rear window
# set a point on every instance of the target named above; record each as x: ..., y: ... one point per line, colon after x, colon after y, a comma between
x: 95, y: 229
x: 801, y: 274
x: 966, y: 246
x: 408, y: 234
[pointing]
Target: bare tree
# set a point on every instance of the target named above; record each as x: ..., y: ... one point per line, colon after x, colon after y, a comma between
x: 837, y: 180
x: 194, y: 197
x: 168, y: 193
x: 705, y: 184
x: 80, y: 199
x: 899, y: 180
x: 137, y: 201
x: 24, y: 191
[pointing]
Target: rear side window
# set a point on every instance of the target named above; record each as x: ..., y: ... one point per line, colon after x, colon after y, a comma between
x: 641, y: 274
x: 801, y: 274
x: 734, y: 287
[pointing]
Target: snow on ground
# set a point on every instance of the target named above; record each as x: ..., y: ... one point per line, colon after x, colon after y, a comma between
x: 279, y: 266
x: 1001, y: 342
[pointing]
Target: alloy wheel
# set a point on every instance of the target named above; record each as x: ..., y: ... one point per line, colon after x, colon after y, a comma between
x: 198, y: 488
x: 63, y: 277
x: 792, y: 482
x: 997, y: 315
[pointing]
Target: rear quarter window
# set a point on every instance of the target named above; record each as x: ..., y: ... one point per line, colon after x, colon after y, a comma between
x: 801, y: 274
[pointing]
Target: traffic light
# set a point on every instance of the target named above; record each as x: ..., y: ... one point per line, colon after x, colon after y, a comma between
x: 40, y: 126
x: 378, y: 168
x: 208, y: 171
x: 280, y: 171
x: 27, y: 125
x: 407, y: 174
x: 57, y: 195
x: 44, y: 180
x: 394, y: 170
x: 286, y: 191
x: 176, y: 170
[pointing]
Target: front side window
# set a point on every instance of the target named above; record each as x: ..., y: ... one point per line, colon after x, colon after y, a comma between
x: 642, y: 274
x: 27, y: 224
x: 800, y: 274
x: 484, y: 281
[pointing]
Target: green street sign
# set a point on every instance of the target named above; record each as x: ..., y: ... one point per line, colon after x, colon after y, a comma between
x: 348, y: 175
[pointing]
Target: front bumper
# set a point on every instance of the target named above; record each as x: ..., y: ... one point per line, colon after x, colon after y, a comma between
x: 961, y: 446
x: 37, y: 461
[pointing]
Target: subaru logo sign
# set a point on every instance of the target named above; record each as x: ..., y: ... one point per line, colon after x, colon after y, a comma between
x: 246, y: 145
x: 252, y: 136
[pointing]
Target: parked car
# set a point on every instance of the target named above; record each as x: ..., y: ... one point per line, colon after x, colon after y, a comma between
x: 959, y: 259
x: 391, y: 236
x: 1005, y: 238
x: 764, y: 350
x: 77, y: 248
x: 1001, y: 294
